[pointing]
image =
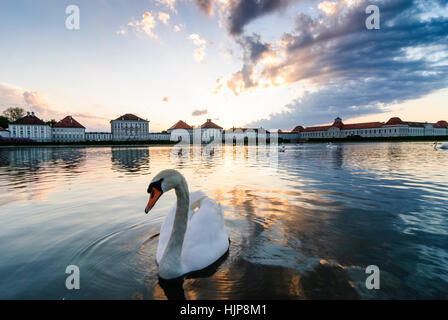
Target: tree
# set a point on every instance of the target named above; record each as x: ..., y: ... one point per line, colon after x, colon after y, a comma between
x: 51, y: 123
x: 4, y: 122
x: 14, y: 113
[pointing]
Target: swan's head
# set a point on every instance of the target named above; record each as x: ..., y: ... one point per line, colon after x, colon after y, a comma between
x: 164, y: 181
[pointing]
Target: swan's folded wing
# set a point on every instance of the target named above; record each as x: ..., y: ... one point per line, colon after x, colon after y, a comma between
x: 207, y: 238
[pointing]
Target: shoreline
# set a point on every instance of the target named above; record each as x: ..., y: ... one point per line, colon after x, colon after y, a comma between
x: 172, y: 143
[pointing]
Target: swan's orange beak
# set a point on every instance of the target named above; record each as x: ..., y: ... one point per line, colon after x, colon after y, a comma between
x: 155, y: 195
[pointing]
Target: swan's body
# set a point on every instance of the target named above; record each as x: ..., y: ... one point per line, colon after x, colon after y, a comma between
x: 441, y: 146
x: 282, y: 149
x: 193, y: 235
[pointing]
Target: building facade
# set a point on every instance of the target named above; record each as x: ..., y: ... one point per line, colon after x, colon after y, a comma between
x: 68, y: 130
x: 98, y: 136
x: 211, y: 131
x: 395, y: 127
x: 4, y: 133
x: 129, y: 127
x: 31, y: 127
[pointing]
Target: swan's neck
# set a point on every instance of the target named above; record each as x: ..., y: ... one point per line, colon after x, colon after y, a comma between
x: 170, y: 263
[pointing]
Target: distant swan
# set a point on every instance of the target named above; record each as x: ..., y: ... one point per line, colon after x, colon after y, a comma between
x: 442, y: 146
x: 282, y: 149
x: 193, y: 235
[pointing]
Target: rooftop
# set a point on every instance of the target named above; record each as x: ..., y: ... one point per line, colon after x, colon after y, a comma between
x: 68, y: 122
x: 210, y: 125
x: 29, y: 119
x: 181, y: 125
x: 130, y: 117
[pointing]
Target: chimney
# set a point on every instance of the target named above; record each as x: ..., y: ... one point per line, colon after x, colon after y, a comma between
x: 32, y: 113
x: 27, y: 113
x: 209, y: 120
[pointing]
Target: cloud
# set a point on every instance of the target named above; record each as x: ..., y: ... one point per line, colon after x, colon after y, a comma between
x: 35, y: 101
x: 242, y: 12
x: 199, y: 53
x: 178, y: 27
x: 170, y: 4
x: 254, y: 50
x: 206, y: 6
x: 164, y: 17
x: 198, y: 112
x: 349, y: 69
x: 146, y: 25
x: 166, y: 99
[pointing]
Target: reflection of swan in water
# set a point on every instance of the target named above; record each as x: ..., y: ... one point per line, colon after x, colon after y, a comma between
x: 174, y: 290
x: 193, y: 236
x: 443, y: 146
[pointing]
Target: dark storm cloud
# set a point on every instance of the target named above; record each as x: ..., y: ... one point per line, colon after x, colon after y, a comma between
x: 242, y: 12
x: 357, y: 70
x: 253, y: 50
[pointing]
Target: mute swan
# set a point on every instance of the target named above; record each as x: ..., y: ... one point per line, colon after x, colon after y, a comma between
x: 193, y: 235
x: 442, y: 146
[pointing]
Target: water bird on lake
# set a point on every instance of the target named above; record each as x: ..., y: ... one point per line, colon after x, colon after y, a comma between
x: 282, y: 149
x: 193, y: 235
x: 443, y: 146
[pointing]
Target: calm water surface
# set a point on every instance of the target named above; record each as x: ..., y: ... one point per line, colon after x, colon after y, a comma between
x: 305, y: 228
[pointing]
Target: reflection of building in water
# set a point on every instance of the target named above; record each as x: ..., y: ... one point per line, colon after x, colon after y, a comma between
x: 130, y: 159
x: 37, y: 157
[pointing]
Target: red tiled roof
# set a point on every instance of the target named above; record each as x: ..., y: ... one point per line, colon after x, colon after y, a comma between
x: 68, y: 122
x: 130, y: 117
x: 442, y: 123
x: 366, y: 125
x: 321, y: 128
x: 210, y: 125
x: 394, y: 121
x: 29, y: 119
x: 181, y: 125
x: 298, y: 129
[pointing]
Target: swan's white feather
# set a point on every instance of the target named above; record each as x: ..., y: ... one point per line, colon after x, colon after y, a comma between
x: 206, y: 238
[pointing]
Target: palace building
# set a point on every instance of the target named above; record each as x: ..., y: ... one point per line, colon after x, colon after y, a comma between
x: 395, y: 127
x: 129, y: 127
x: 68, y: 130
x: 30, y: 127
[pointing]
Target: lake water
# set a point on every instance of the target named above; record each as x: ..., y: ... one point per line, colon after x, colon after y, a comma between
x: 304, y: 227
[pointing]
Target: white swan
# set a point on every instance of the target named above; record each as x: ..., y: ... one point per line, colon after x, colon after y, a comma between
x: 442, y: 146
x: 193, y: 235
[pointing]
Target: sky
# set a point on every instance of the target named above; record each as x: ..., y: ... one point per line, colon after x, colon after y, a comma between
x: 270, y: 63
